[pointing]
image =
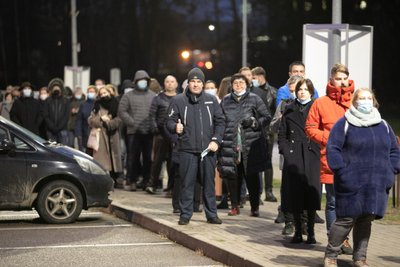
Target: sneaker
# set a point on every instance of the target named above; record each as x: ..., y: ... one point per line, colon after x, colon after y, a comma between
x: 360, y: 263
x: 288, y: 229
x: 183, y: 221
x: 318, y: 219
x: 269, y: 196
x: 346, y: 248
x: 261, y: 202
x: 150, y: 190
x: 330, y: 262
x: 214, y: 220
x: 234, y: 211
x: 223, y: 205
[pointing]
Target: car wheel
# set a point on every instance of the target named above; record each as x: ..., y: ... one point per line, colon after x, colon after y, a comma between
x: 59, y: 202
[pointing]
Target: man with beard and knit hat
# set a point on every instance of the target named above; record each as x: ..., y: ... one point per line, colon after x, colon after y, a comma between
x: 134, y: 111
x: 56, y: 112
x: 324, y: 113
x: 198, y: 120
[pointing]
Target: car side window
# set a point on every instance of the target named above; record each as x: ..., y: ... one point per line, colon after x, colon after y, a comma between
x: 20, y: 144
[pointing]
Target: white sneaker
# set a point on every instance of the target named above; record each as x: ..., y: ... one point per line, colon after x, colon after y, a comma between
x: 330, y: 262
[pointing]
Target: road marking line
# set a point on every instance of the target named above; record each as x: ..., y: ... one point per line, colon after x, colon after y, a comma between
x: 65, y: 227
x: 90, y: 246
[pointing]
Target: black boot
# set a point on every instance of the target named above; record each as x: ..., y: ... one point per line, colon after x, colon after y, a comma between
x: 297, y: 238
x: 310, y: 228
x: 224, y: 203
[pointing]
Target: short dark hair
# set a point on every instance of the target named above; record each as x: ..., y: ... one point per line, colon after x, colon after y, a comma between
x: 238, y: 76
x: 296, y: 63
x: 308, y: 82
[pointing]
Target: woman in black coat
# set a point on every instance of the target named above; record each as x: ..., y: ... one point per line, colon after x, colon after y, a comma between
x: 301, y: 188
x: 243, y: 151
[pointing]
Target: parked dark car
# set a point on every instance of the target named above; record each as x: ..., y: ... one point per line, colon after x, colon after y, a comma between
x: 56, y: 180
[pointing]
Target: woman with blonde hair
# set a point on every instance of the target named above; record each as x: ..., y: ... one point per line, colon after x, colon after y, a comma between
x: 104, y: 118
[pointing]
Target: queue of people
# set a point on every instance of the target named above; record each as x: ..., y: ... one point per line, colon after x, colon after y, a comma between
x: 337, y: 143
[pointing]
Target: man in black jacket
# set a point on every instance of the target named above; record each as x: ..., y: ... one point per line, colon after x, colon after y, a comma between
x: 198, y: 120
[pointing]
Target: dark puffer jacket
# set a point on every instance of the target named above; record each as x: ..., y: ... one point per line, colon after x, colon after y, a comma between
x: 254, y: 154
x: 202, y: 120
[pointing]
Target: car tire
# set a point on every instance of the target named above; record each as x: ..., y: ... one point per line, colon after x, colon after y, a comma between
x: 59, y: 202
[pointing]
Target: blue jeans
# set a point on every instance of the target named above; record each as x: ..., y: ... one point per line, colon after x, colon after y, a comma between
x: 330, y: 212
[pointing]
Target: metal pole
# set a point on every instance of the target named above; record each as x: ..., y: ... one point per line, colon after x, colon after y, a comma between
x: 336, y: 19
x: 244, y: 33
x: 74, y: 43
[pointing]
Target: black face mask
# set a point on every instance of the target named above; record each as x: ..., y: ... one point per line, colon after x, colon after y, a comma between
x: 56, y: 93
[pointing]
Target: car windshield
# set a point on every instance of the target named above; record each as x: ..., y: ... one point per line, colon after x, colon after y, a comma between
x: 24, y: 130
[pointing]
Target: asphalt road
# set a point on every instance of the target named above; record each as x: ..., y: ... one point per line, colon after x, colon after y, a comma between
x: 96, y: 239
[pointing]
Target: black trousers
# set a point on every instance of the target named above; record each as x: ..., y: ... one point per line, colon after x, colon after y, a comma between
x: 140, y: 146
x: 253, y: 186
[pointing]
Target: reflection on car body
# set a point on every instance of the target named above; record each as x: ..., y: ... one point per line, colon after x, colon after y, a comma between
x: 56, y: 180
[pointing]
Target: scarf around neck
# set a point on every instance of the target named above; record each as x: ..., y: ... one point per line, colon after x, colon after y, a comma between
x: 342, y: 95
x: 359, y: 119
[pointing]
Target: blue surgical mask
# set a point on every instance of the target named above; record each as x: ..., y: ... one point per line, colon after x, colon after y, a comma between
x: 78, y: 97
x: 211, y: 91
x: 255, y: 83
x: 91, y: 95
x: 142, y: 84
x: 365, y: 105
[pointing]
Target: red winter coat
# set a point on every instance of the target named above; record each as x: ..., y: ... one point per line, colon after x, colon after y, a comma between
x: 324, y: 113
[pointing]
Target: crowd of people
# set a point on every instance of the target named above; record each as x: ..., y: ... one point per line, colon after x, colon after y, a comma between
x: 202, y: 130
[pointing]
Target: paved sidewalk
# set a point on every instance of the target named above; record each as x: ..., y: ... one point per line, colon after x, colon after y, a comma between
x: 243, y: 240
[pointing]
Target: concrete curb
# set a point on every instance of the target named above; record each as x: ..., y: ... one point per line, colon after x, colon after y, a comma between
x: 181, y: 238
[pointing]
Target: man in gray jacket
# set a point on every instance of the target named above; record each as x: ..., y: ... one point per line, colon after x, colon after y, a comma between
x: 134, y: 111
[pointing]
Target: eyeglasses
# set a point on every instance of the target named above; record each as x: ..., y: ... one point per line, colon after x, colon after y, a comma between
x: 240, y: 82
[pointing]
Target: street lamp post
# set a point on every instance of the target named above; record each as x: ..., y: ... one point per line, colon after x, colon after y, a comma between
x: 244, y: 33
x: 74, y: 39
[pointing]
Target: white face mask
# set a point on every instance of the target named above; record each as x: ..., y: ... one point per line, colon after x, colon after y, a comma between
x: 78, y: 97
x: 27, y: 92
x: 211, y: 91
x: 43, y: 97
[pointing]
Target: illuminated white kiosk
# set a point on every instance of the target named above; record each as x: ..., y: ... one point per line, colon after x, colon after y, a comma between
x: 355, y: 53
